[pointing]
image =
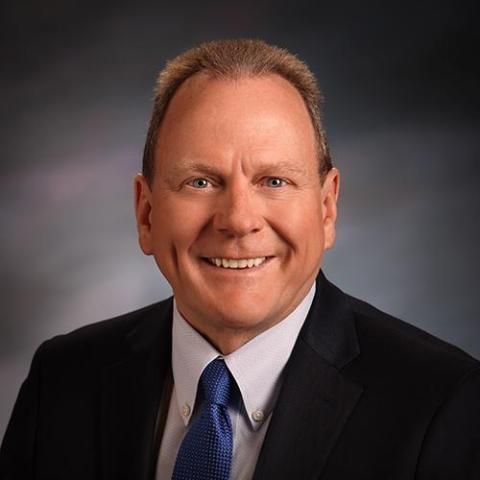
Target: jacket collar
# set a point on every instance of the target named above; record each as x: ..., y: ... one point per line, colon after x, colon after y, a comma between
x: 316, y: 399
x: 132, y: 390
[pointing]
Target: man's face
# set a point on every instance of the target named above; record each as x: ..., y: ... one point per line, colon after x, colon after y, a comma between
x: 236, y: 183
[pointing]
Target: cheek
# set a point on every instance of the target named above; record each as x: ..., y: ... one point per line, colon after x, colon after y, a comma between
x: 176, y: 224
x: 300, y: 226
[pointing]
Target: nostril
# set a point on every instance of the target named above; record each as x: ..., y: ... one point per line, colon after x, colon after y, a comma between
x: 237, y: 225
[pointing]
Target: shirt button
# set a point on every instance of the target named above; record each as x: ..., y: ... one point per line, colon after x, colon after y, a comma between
x: 257, y: 416
x: 186, y: 410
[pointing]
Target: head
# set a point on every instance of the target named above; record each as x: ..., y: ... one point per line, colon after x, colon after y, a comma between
x: 234, y: 59
x: 237, y: 201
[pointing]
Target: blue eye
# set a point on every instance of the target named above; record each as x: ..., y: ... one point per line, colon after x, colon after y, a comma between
x: 275, y: 182
x: 199, y: 183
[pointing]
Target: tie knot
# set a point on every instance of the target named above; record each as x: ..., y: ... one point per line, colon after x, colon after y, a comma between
x: 216, y: 383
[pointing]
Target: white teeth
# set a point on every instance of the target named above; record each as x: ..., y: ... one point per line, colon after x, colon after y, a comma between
x: 237, y: 263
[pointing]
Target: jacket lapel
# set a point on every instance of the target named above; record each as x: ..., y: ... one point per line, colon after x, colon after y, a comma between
x: 132, y: 389
x: 316, y: 399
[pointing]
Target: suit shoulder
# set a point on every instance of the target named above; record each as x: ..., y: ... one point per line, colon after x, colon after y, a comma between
x: 105, y: 338
x: 401, y: 348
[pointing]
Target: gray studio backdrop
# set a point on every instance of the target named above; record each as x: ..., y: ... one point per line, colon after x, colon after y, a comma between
x: 401, y: 114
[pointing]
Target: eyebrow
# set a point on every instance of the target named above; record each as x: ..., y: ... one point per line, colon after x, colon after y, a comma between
x: 280, y: 167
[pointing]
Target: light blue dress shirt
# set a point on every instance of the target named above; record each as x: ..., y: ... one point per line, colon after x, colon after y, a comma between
x: 257, y: 368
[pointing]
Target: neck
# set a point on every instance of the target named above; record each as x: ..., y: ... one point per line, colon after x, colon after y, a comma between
x: 228, y: 343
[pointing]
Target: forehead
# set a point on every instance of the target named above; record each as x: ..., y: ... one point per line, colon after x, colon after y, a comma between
x: 268, y: 92
x: 245, y: 116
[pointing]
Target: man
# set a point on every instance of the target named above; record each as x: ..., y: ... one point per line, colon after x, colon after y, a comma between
x: 258, y: 367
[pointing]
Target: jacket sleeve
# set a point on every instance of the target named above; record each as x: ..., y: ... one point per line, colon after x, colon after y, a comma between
x: 17, y: 453
x: 451, y: 449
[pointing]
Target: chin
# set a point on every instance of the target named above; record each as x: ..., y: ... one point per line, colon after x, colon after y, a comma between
x: 242, y: 317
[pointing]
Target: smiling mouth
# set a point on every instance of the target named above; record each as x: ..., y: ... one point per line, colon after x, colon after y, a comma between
x: 236, y: 263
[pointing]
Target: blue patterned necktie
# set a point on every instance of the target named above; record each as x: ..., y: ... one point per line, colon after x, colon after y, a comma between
x: 206, y: 450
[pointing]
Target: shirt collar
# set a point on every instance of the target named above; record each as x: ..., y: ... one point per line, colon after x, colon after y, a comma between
x: 256, y: 366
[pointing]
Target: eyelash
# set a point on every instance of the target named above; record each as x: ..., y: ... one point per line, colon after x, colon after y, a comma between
x: 284, y: 182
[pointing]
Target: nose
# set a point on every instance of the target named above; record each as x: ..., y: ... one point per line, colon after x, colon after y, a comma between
x: 238, y: 211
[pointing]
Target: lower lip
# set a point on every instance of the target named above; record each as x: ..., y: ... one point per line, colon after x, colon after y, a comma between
x: 238, y: 271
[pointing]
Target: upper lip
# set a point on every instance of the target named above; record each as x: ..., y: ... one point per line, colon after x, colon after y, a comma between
x: 236, y: 257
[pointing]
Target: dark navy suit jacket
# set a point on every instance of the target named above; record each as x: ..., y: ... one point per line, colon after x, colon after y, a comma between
x: 365, y: 396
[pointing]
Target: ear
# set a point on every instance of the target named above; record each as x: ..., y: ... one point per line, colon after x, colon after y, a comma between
x: 330, y: 191
x: 143, y: 210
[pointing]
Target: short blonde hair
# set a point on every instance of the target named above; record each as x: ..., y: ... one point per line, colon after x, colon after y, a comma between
x: 233, y: 59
